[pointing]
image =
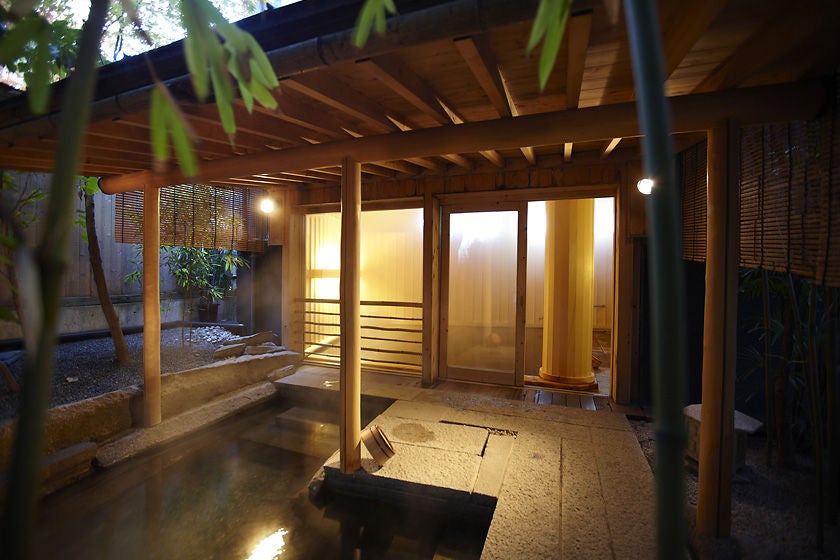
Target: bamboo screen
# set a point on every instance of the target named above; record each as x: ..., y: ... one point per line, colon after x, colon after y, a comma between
x: 790, y: 198
x: 212, y: 217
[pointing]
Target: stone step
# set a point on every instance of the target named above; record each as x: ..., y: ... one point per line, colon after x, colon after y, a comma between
x: 319, y: 443
x: 307, y: 419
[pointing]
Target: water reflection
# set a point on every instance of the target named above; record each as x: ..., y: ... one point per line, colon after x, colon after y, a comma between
x: 271, y: 547
x: 237, y: 491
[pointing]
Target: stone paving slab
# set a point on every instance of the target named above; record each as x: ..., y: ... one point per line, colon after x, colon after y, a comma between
x: 575, y: 483
x: 451, y: 437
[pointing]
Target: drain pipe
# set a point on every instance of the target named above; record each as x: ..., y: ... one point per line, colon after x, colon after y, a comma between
x: 666, y: 273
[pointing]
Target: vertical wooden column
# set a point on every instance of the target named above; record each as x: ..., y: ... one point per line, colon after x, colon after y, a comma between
x: 717, y: 421
x: 521, y: 280
x: 621, y: 379
x: 431, y: 288
x: 349, y: 289
x: 569, y: 270
x: 151, y: 306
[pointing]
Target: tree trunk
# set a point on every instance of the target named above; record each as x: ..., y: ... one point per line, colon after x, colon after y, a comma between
x: 120, y: 347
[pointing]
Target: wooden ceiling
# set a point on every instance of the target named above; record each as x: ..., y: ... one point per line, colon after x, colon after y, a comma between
x: 437, y: 72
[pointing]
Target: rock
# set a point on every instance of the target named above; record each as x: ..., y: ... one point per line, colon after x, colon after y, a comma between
x: 257, y: 350
x: 256, y: 339
x: 229, y: 351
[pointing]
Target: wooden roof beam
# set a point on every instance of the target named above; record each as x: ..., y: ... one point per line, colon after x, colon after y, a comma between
x: 457, y: 159
x: 578, y: 31
x: 393, y: 73
x: 686, y: 28
x: 319, y: 87
x: 799, y: 101
x: 608, y: 149
x: 482, y: 62
x: 769, y: 42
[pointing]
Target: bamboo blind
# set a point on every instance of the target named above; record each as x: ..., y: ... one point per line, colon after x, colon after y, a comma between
x: 790, y: 198
x: 212, y: 217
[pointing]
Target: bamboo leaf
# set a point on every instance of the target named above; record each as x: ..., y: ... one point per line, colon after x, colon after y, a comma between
x: 224, y: 102
x: 183, y: 145
x: 260, y: 63
x: 157, y: 125
x: 247, y: 97
x: 263, y: 95
x: 38, y: 81
x: 372, y: 14
x: 197, y: 65
x: 540, y: 25
x: 551, y: 45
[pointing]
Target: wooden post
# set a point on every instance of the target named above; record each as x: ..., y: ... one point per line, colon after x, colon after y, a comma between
x: 431, y: 288
x: 521, y: 279
x: 151, y: 306
x: 351, y: 367
x: 717, y: 419
x: 621, y: 371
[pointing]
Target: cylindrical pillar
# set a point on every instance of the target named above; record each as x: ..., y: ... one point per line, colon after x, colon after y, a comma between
x: 569, y: 279
x: 151, y: 306
x: 351, y: 342
x: 720, y: 319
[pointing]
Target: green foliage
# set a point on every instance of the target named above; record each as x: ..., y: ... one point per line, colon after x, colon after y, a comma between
x: 550, y: 24
x: 206, y: 271
x: 166, y: 122
x: 372, y: 16
x: 40, y: 50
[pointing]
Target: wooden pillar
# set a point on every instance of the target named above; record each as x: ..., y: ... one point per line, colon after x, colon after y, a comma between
x: 569, y: 278
x: 717, y: 423
x: 349, y: 289
x: 151, y: 306
x: 431, y: 288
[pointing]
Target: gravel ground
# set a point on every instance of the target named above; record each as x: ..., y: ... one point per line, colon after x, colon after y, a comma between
x: 86, y: 368
x: 773, y: 509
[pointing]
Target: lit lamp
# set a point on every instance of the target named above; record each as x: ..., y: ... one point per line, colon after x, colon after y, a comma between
x: 267, y: 205
x: 645, y: 186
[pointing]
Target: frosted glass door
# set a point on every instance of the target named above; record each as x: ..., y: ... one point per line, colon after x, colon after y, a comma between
x: 481, y: 296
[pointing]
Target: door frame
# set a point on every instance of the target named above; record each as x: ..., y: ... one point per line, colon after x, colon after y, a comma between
x: 517, y: 376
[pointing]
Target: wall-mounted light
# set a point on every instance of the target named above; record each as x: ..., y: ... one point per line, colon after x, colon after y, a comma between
x: 267, y: 205
x: 645, y: 186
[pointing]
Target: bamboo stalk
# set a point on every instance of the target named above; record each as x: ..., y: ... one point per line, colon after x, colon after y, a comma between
x: 666, y: 273
x: 815, y: 416
x: 43, y: 272
x: 768, y: 405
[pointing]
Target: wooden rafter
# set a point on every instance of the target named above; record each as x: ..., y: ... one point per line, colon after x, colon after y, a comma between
x: 457, y: 159
x: 684, y: 30
x: 577, y: 38
x: 318, y: 86
x: 391, y: 72
x: 577, y: 33
x: 769, y: 42
x: 611, y: 145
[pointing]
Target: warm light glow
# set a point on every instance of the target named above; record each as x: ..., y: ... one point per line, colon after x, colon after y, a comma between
x: 478, y: 227
x: 271, y: 547
x: 266, y: 205
x: 604, y: 219
x: 645, y: 185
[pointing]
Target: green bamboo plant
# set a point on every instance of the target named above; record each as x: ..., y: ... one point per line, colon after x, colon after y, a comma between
x: 219, y: 53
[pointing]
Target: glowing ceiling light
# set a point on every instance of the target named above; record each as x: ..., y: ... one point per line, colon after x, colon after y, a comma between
x: 645, y: 185
x: 266, y: 205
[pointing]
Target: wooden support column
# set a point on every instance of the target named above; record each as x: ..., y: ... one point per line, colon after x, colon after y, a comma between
x: 151, y: 306
x: 351, y: 342
x: 717, y: 423
x: 431, y: 288
x: 567, y: 323
x: 624, y: 331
